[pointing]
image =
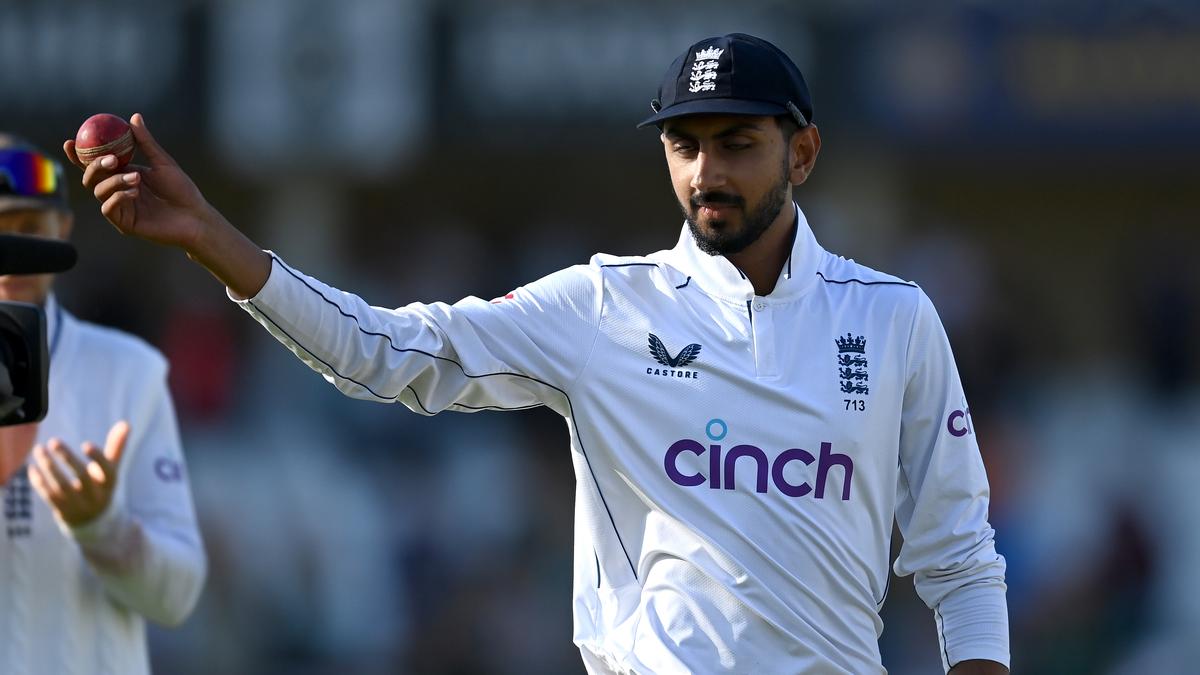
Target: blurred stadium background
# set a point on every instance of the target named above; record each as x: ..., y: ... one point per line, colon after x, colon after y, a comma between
x: 1030, y: 164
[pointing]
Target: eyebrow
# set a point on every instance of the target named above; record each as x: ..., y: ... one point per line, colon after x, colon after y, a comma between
x: 724, y: 133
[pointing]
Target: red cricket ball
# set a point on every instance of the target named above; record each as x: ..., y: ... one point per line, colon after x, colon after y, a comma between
x: 104, y: 134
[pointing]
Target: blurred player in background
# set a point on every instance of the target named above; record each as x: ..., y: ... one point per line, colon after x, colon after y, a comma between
x: 748, y: 413
x: 110, y: 537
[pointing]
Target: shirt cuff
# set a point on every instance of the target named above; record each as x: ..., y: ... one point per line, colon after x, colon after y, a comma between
x: 269, y: 290
x: 972, y: 623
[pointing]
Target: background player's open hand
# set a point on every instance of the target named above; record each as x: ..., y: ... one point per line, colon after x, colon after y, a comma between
x: 156, y: 201
x: 79, y: 492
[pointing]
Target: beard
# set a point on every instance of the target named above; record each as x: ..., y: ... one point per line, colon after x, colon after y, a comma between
x: 719, y: 239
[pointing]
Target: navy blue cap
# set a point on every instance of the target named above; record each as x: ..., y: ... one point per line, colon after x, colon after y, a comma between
x: 734, y: 74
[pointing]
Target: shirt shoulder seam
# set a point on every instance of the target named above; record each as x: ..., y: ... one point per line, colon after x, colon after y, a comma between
x: 865, y: 282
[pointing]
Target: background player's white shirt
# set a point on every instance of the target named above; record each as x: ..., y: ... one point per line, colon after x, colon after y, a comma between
x: 739, y: 459
x: 65, y: 612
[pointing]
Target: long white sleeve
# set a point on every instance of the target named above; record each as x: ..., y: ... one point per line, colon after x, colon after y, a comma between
x: 517, y: 352
x: 146, y: 546
x: 942, y: 504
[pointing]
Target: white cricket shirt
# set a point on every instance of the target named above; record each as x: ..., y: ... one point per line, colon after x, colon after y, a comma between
x: 73, y: 600
x: 739, y: 459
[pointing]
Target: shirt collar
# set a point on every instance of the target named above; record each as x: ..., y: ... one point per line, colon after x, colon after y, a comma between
x: 719, y: 277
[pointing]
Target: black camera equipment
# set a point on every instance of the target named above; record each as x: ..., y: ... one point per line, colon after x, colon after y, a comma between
x: 24, y: 357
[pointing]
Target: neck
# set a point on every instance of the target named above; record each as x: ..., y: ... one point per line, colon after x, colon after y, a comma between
x: 763, y: 260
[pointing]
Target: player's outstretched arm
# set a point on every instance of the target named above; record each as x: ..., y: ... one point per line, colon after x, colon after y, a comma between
x: 158, y: 202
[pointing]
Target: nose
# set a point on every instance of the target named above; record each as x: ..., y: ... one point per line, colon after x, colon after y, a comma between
x: 708, y: 173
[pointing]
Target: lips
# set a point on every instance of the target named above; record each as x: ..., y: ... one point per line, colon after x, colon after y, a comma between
x: 714, y: 211
x: 716, y: 205
x: 14, y: 287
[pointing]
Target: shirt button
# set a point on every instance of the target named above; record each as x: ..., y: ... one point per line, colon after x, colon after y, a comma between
x: 760, y: 306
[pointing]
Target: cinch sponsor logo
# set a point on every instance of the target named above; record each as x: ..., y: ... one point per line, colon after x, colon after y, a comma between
x: 959, y: 423
x: 722, y: 467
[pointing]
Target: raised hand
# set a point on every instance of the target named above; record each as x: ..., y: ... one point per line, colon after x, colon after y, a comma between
x: 79, y: 492
x: 156, y: 201
x: 160, y: 203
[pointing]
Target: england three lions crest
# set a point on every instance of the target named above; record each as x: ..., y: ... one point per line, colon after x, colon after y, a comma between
x: 852, y: 364
x: 704, y: 70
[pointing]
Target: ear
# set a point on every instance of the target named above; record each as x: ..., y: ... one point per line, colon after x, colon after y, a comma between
x: 804, y: 147
x: 66, y: 221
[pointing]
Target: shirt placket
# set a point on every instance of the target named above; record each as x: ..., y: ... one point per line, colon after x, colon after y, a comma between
x: 762, y: 325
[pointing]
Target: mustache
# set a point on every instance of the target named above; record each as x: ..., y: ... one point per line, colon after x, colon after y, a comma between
x: 715, y: 198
